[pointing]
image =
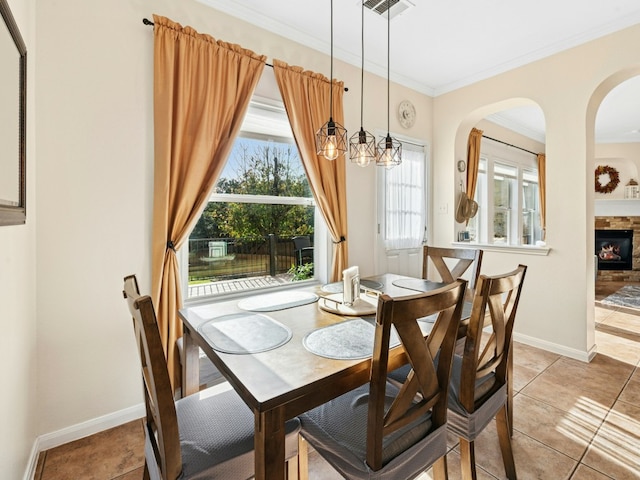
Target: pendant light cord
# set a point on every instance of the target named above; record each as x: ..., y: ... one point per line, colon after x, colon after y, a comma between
x: 362, y: 68
x: 331, y: 76
x: 388, y: 68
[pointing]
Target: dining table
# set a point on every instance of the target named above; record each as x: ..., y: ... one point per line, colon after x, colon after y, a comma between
x: 289, y: 355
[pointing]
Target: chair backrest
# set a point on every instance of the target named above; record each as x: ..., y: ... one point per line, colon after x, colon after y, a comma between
x: 161, y: 422
x: 301, y: 242
x: 496, y: 301
x: 452, y: 263
x: 427, y: 377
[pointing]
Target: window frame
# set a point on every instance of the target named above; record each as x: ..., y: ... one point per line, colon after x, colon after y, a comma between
x: 494, y: 153
x: 321, y: 248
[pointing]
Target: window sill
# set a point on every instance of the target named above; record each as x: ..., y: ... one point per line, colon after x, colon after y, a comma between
x: 240, y: 294
x: 491, y: 247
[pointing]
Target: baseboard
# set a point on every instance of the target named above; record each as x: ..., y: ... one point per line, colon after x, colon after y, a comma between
x: 584, y: 356
x: 33, y: 462
x: 80, y: 430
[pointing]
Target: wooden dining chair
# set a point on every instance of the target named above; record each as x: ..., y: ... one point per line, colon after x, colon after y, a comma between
x: 209, y: 434
x: 208, y: 374
x: 379, y: 430
x: 451, y: 264
x: 479, y: 379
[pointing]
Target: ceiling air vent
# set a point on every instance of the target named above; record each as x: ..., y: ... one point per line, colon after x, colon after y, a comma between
x: 395, y: 7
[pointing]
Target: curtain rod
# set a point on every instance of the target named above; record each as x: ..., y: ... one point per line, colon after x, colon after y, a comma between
x: 510, y: 145
x: 146, y: 21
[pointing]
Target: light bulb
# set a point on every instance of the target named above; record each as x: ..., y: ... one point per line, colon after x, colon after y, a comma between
x: 362, y: 157
x: 387, y: 158
x: 330, y: 150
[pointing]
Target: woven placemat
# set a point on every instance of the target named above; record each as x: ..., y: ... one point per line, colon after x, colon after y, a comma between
x: 418, y: 284
x: 270, y: 302
x: 244, y: 333
x: 348, y: 340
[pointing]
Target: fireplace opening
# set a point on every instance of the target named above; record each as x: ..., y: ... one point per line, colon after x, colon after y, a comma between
x: 614, y: 249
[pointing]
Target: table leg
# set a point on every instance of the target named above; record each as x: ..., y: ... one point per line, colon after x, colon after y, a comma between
x: 269, y: 445
x: 190, y: 365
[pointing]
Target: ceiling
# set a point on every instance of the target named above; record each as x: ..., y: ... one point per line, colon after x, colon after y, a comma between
x: 438, y: 46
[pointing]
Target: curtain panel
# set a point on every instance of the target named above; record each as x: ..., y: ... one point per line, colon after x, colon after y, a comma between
x: 473, y: 160
x: 542, y: 191
x: 306, y: 100
x: 405, y: 211
x: 202, y: 88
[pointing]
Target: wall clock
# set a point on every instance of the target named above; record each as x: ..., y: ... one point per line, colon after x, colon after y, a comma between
x: 406, y: 114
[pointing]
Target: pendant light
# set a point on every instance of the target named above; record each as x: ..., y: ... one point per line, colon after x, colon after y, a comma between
x: 331, y: 139
x: 389, y: 149
x: 362, y: 145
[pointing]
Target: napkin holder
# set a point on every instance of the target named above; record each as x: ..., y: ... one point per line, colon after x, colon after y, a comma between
x: 349, y: 302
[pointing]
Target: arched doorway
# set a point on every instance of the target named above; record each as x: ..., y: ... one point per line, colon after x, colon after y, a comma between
x: 613, y: 135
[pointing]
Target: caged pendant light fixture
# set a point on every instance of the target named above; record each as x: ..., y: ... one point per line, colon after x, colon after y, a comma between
x: 389, y: 149
x: 362, y: 145
x: 331, y: 139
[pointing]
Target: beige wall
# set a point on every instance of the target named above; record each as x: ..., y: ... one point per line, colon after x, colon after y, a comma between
x: 625, y: 158
x: 93, y: 91
x: 94, y: 88
x: 18, y: 346
x: 557, y: 306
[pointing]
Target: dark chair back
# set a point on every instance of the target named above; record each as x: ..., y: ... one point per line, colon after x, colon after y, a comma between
x: 161, y: 421
x: 496, y: 301
x: 428, y: 378
x: 452, y: 263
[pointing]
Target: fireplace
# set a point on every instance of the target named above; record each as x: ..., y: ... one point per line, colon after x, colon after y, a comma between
x: 614, y: 249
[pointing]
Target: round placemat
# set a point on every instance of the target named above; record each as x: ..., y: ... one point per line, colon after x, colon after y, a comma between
x: 348, y: 340
x: 244, y: 333
x: 418, y: 284
x: 270, y: 302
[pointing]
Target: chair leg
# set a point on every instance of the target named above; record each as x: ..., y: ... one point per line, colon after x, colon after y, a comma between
x: 504, y: 437
x: 510, y: 389
x: 440, y: 469
x: 303, y: 458
x: 467, y: 460
x: 292, y: 468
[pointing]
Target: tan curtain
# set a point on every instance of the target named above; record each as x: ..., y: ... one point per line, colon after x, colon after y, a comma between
x: 202, y: 89
x: 542, y: 190
x: 473, y: 160
x: 306, y: 99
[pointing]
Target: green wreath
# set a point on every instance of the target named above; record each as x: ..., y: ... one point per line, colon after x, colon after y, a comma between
x: 614, y: 179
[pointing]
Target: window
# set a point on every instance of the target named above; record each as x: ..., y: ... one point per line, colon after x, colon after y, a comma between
x: 508, y: 197
x: 404, y: 200
x: 261, y: 201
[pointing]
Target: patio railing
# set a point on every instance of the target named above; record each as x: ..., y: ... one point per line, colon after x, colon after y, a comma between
x: 219, y: 259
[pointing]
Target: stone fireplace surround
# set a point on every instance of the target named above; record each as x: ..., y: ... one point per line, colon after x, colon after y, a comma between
x: 622, y: 223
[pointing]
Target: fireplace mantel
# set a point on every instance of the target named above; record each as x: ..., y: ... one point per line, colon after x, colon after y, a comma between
x: 616, y: 208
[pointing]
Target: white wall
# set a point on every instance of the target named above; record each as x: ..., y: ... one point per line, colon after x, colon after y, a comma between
x: 18, y: 347
x: 557, y: 303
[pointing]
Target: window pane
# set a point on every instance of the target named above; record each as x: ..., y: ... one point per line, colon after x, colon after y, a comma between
x: 259, y: 167
x: 261, y: 201
x: 501, y: 226
x: 531, y: 231
x: 502, y: 203
x: 405, y: 217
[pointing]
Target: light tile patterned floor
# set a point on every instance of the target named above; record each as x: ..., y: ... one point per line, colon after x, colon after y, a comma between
x: 572, y: 420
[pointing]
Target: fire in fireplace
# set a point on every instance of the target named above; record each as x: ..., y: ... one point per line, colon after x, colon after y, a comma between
x: 614, y: 249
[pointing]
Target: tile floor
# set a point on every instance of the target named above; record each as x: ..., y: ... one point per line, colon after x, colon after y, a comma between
x: 572, y: 420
